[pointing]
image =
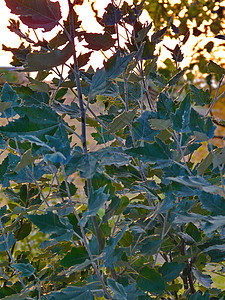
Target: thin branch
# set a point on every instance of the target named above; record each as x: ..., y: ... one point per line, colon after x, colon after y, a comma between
x: 125, y: 91
x: 82, y: 111
x: 162, y: 237
x: 215, y: 98
x: 176, y: 137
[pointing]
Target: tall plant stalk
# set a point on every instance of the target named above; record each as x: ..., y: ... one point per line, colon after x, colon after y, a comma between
x: 83, y: 118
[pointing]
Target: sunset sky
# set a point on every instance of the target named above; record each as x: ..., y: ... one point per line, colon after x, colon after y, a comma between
x: 86, y: 15
x: 88, y: 22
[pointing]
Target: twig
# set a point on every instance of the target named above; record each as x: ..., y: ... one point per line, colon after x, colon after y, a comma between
x: 215, y: 98
x: 162, y: 237
x: 82, y: 110
x: 176, y: 137
x: 125, y: 91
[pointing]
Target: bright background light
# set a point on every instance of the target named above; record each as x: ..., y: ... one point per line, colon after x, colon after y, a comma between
x: 85, y: 14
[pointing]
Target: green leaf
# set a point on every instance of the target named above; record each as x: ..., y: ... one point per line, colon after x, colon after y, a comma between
x: 143, y: 33
x: 26, y: 269
x: 99, y: 83
x: 175, y: 78
x: 25, y: 161
x: 121, y: 121
x: 17, y: 296
x: 5, y: 106
x: 151, y: 281
x: 117, y: 64
x: 214, y: 68
x: 96, y: 200
x: 149, y: 246
x: 200, y: 97
x: 196, y: 182
x: 51, y: 223
x: 22, y: 232
x: 119, y: 292
x: 181, y: 117
x: 30, y: 97
x: 216, y: 252
x: 111, y: 209
x: 4, y: 180
x: 72, y: 293
x: 75, y: 257
x: 142, y: 128
x: 171, y: 271
x: 127, y: 239
x: 164, y: 107
x: 202, y: 128
x: 38, y: 86
x: 102, y: 136
x: 160, y: 124
x: 157, y: 79
x: 218, y: 157
x: 157, y: 152
x: 203, y: 166
x: 214, y: 203
x: 29, y: 123
x: 204, y: 279
x: 8, y: 101
x: 109, y: 249
x: 199, y: 296
x: 157, y: 36
x: 45, y: 61
x: 8, y: 242
x: 72, y: 110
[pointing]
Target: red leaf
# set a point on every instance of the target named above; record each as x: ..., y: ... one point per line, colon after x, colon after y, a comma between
x: 36, y: 13
x: 112, y: 15
x: 15, y: 27
x: 196, y: 31
x: 83, y: 59
x: 78, y: 2
x: 98, y: 41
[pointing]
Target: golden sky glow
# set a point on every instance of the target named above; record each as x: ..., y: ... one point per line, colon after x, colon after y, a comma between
x: 85, y: 13
x: 89, y: 23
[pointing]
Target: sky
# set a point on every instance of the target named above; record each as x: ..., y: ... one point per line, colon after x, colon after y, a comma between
x: 89, y: 23
x: 86, y: 15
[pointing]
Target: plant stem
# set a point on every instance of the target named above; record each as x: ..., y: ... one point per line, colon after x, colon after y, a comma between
x: 215, y: 98
x: 83, y: 234
x: 77, y: 78
x: 125, y: 91
x: 10, y: 254
x: 182, y: 153
x: 83, y: 114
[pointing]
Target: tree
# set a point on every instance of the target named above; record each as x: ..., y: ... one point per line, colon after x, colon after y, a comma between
x: 149, y: 220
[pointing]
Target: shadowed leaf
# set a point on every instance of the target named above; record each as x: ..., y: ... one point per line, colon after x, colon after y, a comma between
x: 36, y: 13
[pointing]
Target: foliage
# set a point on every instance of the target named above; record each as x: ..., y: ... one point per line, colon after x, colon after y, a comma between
x: 146, y: 220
